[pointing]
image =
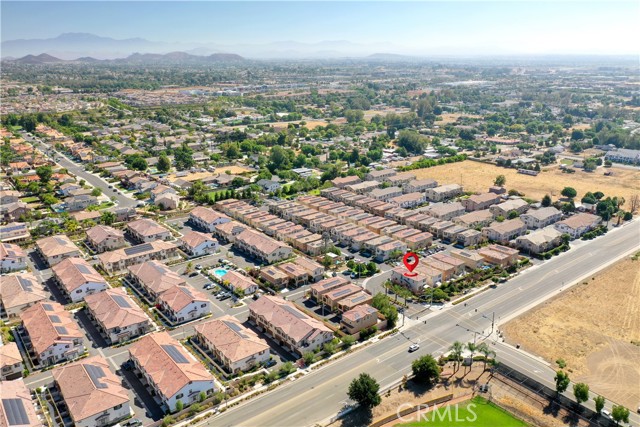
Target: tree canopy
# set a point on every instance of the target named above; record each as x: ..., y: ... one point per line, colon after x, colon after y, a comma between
x: 364, y: 390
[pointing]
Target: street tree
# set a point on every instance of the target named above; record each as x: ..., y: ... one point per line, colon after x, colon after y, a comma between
x: 619, y: 413
x: 472, y: 347
x: 562, y: 381
x: 599, y: 401
x: 484, y: 349
x: 456, y: 352
x: 426, y: 369
x: 500, y: 180
x: 364, y: 390
x: 581, y: 392
x: 107, y: 217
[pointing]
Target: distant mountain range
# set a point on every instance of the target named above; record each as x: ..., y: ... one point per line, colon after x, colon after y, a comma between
x: 71, y: 46
x: 136, y: 58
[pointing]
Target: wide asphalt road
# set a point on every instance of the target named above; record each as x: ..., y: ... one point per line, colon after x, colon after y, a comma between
x: 319, y: 395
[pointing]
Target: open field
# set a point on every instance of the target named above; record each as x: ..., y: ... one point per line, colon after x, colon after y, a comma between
x: 593, y: 327
x: 233, y: 170
x: 478, y: 177
x: 477, y: 412
x: 448, y: 118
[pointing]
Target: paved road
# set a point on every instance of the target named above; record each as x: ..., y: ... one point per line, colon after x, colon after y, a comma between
x: 122, y: 200
x: 320, y: 394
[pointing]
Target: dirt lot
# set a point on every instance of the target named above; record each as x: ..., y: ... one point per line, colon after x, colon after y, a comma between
x: 592, y: 328
x: 234, y: 170
x: 476, y: 176
x: 452, y: 118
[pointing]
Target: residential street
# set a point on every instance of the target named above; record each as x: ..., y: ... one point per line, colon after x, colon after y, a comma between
x: 319, y: 395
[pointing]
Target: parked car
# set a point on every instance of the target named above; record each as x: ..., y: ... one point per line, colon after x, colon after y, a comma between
x: 133, y: 422
x: 195, y: 273
x: 198, y: 267
x: 208, y: 286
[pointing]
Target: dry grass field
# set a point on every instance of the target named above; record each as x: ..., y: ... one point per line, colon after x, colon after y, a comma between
x: 478, y: 177
x: 452, y: 118
x: 592, y: 327
x: 233, y: 170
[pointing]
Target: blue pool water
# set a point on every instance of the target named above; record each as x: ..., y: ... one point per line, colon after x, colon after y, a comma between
x: 220, y: 272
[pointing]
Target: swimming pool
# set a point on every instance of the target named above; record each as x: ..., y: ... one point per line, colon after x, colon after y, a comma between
x: 219, y: 272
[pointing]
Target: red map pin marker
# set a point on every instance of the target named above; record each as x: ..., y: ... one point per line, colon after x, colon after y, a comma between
x: 410, y: 261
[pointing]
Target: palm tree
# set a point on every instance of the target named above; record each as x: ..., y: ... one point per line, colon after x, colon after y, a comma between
x: 486, y: 352
x: 472, y: 347
x: 456, y: 351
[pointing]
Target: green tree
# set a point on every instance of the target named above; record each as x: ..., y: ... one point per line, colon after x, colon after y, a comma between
x: 512, y: 214
x: 364, y: 390
x: 599, y: 401
x: 562, y: 381
x: 309, y: 357
x: 456, y: 353
x: 278, y: 159
x: 500, y: 180
x: 107, y: 217
x: 619, y: 413
x: 546, y: 201
x: 426, y: 369
x: 164, y: 164
x: 44, y: 173
x: 96, y: 192
x: 581, y: 392
x: 484, y: 349
x: 179, y: 405
x: 472, y: 347
x: 183, y: 157
x: 569, y: 192
x: 412, y: 141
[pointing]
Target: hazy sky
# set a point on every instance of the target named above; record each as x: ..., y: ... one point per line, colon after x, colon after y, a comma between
x: 607, y: 27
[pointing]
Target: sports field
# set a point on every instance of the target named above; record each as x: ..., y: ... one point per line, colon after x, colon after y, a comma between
x: 476, y: 412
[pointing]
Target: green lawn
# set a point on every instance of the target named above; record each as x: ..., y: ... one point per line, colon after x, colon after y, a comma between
x: 473, y: 413
x: 32, y: 199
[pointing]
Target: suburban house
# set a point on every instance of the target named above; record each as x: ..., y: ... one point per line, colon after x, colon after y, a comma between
x: 146, y: 230
x: 471, y: 259
x: 269, y: 186
x: 325, y: 285
x: 385, y: 194
x: 161, y: 190
x: 419, y: 185
x: 239, y: 282
x: 287, y: 325
x: 170, y: 370
x: 102, y: 238
x: 445, y: 211
x: 469, y: 237
x: 17, y: 398
x: 19, y: 292
x: 11, y: 365
x: 409, y: 200
x: 475, y: 219
x: 93, y: 395
x: 153, y: 278
x: 313, y: 269
x: 499, y: 255
x: 235, y: 346
x: 14, y: 232
x: 77, y: 278
x: 401, y: 179
x: 13, y: 211
x: 50, y: 334
x: 540, y: 240
x: 380, y: 175
x: 274, y: 277
x: 347, y: 180
x: 332, y: 297
x: 117, y: 261
x: 197, y: 244
x: 623, y: 155
x: 426, y: 276
x: 478, y: 202
x: 167, y: 201
x: 207, y: 219
x: 117, y: 316
x: 503, y: 209
x: 228, y: 231
x: 505, y: 231
x: 443, y: 192
x: 9, y: 196
x: 182, y: 303
x: 264, y: 248
x: 12, y: 258
x: 542, y: 217
x: 578, y: 224
x: 359, y: 318
x: 80, y: 202
x: 54, y: 249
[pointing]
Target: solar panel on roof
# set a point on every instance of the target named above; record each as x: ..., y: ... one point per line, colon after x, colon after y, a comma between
x: 55, y: 319
x: 296, y: 313
x: 15, y: 412
x: 60, y: 240
x: 25, y: 284
x: 138, y: 249
x: 174, y: 353
x: 235, y: 328
x: 95, y: 373
x: 342, y: 292
x: 84, y: 269
x: 121, y: 301
x: 11, y: 228
x: 47, y: 307
x: 61, y: 330
x: 360, y: 298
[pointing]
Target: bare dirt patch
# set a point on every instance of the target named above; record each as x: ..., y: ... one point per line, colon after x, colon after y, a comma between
x: 448, y: 118
x: 592, y: 327
x: 233, y: 170
x: 478, y: 177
